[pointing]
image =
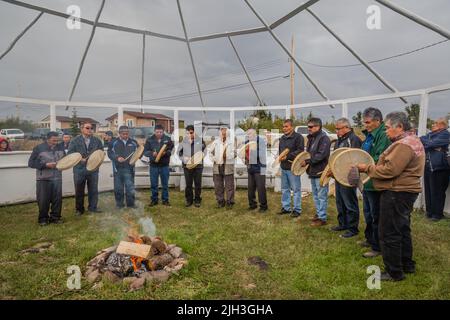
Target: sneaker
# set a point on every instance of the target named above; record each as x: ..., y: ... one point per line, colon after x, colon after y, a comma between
x: 229, y: 206
x: 197, y: 204
x: 371, y: 254
x: 252, y: 208
x: 338, y: 228
x: 188, y: 204
x: 153, y: 203
x: 318, y: 223
x: 262, y: 210
x: 79, y: 213
x: 284, y: 212
x: 44, y: 223
x: 347, y: 234
x: 295, y: 214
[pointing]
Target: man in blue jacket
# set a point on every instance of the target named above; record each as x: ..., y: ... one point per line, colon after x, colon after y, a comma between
x: 48, y: 179
x: 437, y: 169
x: 119, y: 151
x: 255, y: 159
x: 85, y: 143
x: 159, y: 169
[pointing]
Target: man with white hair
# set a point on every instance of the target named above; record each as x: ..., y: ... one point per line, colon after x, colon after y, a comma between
x: 222, y: 153
x: 437, y: 168
x: 346, y: 197
x: 397, y: 176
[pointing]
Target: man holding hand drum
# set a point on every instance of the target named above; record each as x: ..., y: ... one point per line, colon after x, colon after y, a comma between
x: 85, y: 144
x: 158, y: 148
x: 294, y: 143
x: 120, y: 151
x: 48, y: 179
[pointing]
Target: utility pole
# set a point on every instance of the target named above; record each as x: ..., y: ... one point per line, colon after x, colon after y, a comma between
x: 292, y: 77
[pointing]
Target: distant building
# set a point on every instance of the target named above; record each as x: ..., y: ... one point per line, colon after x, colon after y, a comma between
x: 138, y: 119
x: 66, y: 122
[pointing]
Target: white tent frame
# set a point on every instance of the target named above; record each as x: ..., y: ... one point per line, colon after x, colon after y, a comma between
x: 305, y: 6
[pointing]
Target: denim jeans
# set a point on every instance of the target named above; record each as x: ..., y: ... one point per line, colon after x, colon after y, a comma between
x: 371, y: 207
x: 124, y: 186
x: 155, y: 174
x: 320, y: 197
x: 347, y: 207
x: 289, y: 182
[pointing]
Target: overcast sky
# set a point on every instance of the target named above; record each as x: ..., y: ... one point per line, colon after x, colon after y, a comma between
x: 43, y: 64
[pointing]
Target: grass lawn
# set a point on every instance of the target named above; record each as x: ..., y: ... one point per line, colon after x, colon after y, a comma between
x: 304, y: 262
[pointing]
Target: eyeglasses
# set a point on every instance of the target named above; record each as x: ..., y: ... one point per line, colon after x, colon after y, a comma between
x: 310, y: 127
x: 88, y: 128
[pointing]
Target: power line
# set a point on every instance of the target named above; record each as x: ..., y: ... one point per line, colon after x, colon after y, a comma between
x: 377, y: 60
x: 209, y: 91
x: 274, y: 63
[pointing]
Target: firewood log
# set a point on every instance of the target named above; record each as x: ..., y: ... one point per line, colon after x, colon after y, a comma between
x: 159, y: 262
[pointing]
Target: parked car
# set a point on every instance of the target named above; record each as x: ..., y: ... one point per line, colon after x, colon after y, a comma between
x: 12, y: 134
x: 41, y: 133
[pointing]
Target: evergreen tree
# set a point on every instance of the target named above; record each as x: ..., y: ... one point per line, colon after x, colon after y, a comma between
x: 74, y: 128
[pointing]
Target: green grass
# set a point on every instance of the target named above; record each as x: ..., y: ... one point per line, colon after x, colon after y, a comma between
x: 305, y: 262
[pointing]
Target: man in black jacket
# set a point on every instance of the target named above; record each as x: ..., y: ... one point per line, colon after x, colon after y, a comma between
x: 289, y: 182
x: 346, y: 197
x: 192, y: 144
x: 255, y: 160
x: 120, y: 151
x: 48, y: 179
x: 86, y: 144
x: 319, y: 148
x: 159, y: 169
x: 64, y: 145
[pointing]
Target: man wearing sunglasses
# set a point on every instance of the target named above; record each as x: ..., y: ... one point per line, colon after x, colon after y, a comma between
x: 318, y: 147
x: 85, y: 143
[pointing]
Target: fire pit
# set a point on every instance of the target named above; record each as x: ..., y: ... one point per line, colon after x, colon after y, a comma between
x: 136, y: 261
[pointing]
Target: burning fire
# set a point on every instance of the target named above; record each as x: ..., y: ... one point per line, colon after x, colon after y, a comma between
x: 137, y: 261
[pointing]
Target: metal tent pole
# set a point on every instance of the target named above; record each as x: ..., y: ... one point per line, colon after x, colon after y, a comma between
x: 277, y: 40
x: 356, y: 55
x: 190, y: 54
x: 414, y: 17
x: 245, y: 71
x: 86, y: 50
x: 11, y: 46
